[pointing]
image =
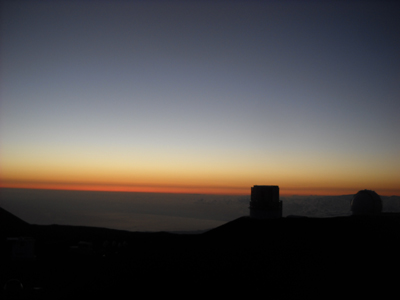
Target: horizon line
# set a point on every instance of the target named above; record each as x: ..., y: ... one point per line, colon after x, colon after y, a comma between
x: 239, y: 191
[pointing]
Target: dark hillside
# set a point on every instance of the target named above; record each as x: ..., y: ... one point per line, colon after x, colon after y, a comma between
x: 10, y: 224
x: 288, y: 257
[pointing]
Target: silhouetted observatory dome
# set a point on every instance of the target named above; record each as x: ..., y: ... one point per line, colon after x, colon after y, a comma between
x: 366, y: 202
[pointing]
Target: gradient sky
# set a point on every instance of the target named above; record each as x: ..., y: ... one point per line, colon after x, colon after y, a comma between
x: 201, y: 96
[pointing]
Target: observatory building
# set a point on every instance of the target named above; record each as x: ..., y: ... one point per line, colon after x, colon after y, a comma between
x: 265, y: 203
x: 366, y: 202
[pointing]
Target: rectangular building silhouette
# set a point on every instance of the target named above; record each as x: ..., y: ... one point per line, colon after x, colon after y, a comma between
x: 265, y: 203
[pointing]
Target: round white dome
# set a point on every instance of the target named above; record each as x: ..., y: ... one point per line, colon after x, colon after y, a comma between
x: 366, y: 202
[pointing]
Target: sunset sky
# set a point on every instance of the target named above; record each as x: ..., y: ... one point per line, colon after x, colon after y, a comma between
x: 201, y: 96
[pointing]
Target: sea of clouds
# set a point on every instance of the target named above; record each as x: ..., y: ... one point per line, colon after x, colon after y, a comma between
x: 159, y: 212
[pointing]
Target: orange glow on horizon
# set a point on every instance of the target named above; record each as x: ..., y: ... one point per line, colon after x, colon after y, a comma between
x: 217, y: 190
x: 211, y: 172
x: 126, y: 188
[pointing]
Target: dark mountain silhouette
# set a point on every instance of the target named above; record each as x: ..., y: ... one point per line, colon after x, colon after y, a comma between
x: 9, y: 219
x: 287, y: 257
x: 10, y: 224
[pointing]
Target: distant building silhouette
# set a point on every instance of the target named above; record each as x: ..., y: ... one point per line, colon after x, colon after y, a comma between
x: 265, y: 203
x: 366, y: 202
x: 22, y: 248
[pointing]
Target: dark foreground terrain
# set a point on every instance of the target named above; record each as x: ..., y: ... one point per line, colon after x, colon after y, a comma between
x: 289, y: 257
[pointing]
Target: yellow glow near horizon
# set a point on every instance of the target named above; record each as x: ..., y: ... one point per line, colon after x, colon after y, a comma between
x: 207, y: 173
x: 183, y: 181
